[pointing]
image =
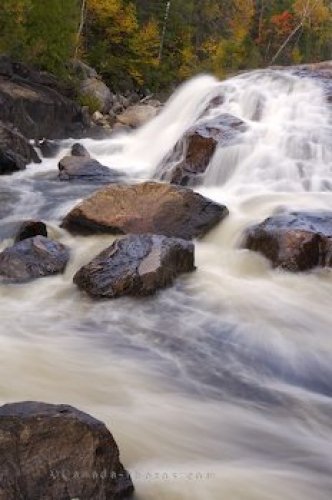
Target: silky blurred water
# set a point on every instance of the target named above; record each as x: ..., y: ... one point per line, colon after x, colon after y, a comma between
x: 219, y: 387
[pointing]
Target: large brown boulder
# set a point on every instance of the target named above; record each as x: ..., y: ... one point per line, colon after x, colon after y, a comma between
x: 15, y: 150
x: 197, y: 148
x: 149, y: 207
x: 58, y: 452
x: 295, y: 241
x: 136, y: 265
x: 33, y: 258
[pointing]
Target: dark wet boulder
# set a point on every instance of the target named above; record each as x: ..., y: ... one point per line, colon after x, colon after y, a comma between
x: 149, y: 207
x: 52, y: 451
x: 193, y: 153
x: 136, y: 265
x: 29, y: 229
x: 84, y: 168
x: 33, y: 258
x: 79, y: 150
x: 295, y: 241
x: 49, y: 149
x: 15, y: 150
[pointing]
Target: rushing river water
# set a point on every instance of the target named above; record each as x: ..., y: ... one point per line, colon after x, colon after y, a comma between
x: 218, y: 388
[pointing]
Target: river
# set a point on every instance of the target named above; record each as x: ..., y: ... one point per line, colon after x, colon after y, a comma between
x: 220, y: 387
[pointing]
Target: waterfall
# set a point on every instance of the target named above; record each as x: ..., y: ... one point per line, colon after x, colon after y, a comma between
x: 220, y: 387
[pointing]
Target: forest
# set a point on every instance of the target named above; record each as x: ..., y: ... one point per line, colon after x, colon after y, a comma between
x: 156, y: 45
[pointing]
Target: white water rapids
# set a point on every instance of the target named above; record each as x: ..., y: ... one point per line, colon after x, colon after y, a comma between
x: 219, y: 388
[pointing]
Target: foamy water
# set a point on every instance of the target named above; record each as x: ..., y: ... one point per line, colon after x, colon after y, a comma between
x: 220, y: 387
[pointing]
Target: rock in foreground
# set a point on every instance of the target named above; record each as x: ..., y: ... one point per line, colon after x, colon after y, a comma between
x: 33, y: 258
x: 294, y: 241
x: 149, y: 207
x: 136, y: 265
x: 57, y: 452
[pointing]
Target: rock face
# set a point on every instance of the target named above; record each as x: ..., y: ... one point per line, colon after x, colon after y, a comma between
x: 33, y: 258
x: 29, y: 229
x: 80, y: 166
x: 94, y: 88
x: 15, y: 151
x: 136, y: 265
x: 197, y: 147
x: 35, y: 103
x: 57, y: 452
x: 149, y: 207
x: 295, y: 241
x: 137, y: 115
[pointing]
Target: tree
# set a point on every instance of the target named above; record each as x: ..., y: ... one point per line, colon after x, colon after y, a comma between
x: 38, y: 32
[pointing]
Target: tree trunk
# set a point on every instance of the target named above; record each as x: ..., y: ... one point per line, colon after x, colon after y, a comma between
x: 80, y: 28
x: 162, y: 40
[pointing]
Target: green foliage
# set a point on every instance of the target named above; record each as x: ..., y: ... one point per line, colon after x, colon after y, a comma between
x: 156, y: 44
x: 90, y: 101
x: 40, y: 32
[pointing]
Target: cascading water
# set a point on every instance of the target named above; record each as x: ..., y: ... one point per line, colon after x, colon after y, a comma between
x: 220, y: 387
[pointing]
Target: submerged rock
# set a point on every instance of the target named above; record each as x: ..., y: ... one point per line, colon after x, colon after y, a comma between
x: 149, y: 207
x: 136, y: 265
x: 33, y: 258
x: 31, y: 228
x: 15, y: 150
x: 295, y: 241
x: 196, y: 149
x: 58, y: 452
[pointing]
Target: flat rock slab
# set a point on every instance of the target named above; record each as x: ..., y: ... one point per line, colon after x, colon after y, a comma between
x: 295, y: 241
x: 33, y: 258
x: 149, y: 207
x: 58, y: 452
x: 136, y: 265
x: 86, y: 169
